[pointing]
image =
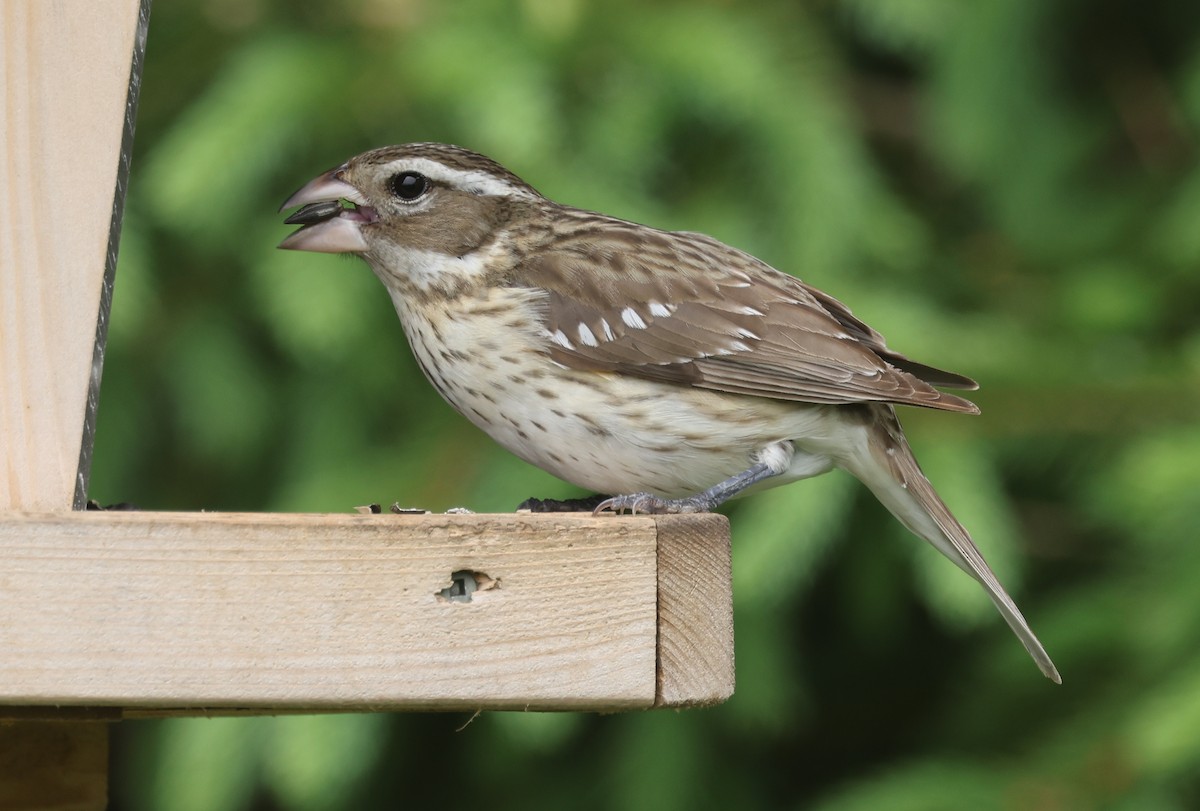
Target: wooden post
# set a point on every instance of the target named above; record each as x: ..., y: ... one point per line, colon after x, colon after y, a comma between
x: 71, y: 73
x: 68, y: 99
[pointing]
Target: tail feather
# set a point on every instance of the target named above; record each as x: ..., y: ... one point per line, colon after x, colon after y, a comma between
x: 887, y: 466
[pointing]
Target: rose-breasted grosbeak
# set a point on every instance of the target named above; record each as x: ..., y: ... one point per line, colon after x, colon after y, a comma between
x: 666, y: 367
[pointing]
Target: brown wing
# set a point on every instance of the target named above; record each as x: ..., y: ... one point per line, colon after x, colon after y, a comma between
x: 687, y: 309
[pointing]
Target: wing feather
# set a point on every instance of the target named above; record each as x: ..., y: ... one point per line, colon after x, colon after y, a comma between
x: 687, y: 309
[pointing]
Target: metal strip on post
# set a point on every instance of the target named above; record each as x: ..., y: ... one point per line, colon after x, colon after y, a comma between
x: 125, y: 160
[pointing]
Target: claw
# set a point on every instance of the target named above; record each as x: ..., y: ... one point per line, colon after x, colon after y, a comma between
x: 650, y: 504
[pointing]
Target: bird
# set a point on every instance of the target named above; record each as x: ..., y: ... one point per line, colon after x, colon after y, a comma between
x: 664, y: 369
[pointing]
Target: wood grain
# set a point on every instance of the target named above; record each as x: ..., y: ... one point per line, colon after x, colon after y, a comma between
x: 66, y: 68
x: 50, y: 766
x: 154, y: 611
x: 695, y: 611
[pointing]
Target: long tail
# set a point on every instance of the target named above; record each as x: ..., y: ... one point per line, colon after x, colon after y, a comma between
x: 887, y: 466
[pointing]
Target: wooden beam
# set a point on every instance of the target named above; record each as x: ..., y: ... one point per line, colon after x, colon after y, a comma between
x: 52, y: 766
x: 695, y: 611
x: 66, y: 117
x: 184, y: 613
x: 71, y: 74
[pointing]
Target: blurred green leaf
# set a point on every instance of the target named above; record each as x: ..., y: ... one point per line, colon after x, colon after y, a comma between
x: 536, y: 731
x: 780, y: 535
x: 213, y: 374
x: 931, y: 786
x: 314, y: 762
x: 205, y: 765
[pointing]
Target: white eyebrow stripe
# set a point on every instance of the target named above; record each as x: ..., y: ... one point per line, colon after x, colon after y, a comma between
x: 632, y: 319
x: 471, y: 180
x: 587, y: 336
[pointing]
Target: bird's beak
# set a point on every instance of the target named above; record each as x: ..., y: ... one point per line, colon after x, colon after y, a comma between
x: 328, y: 226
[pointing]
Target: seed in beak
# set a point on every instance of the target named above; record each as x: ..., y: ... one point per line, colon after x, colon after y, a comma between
x: 314, y: 213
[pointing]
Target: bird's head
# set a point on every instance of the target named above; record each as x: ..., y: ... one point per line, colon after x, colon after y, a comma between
x: 407, y: 208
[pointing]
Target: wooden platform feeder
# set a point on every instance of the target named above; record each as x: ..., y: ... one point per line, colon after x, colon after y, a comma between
x: 105, y: 616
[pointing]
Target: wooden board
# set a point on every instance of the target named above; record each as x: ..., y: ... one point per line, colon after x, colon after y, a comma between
x: 695, y: 611
x: 52, y: 766
x: 66, y: 112
x: 183, y: 613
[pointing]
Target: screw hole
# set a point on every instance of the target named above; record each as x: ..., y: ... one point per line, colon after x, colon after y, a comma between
x: 465, y: 583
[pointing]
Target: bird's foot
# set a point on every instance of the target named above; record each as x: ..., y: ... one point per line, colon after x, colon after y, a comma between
x: 570, y: 505
x: 650, y: 504
x: 702, y: 502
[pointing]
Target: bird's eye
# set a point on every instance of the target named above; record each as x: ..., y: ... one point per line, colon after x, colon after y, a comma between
x: 409, y: 186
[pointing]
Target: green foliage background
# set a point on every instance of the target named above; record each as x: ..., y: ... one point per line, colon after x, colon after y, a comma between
x: 1008, y: 188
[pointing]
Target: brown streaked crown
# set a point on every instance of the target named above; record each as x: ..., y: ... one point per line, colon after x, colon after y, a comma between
x: 453, y: 157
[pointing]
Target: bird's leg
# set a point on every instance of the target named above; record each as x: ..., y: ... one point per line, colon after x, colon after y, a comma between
x: 570, y: 505
x: 700, y: 503
x: 770, y: 460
